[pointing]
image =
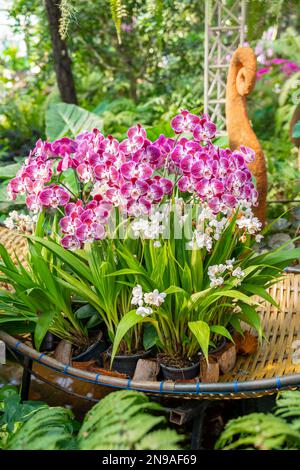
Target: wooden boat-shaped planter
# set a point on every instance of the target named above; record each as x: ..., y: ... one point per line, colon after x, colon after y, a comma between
x: 274, y: 366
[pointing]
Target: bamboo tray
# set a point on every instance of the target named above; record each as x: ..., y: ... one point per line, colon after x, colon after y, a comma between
x: 273, y: 367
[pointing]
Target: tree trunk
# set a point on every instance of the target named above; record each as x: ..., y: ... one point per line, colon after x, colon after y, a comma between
x: 62, y: 61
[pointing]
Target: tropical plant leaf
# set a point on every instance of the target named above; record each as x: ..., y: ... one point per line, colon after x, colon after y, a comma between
x: 9, y: 171
x: 14, y: 411
x: 123, y: 271
x: 63, y: 119
x: 196, y: 298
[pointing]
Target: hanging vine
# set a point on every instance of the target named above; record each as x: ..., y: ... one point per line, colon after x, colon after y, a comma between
x: 118, y: 11
x: 68, y: 14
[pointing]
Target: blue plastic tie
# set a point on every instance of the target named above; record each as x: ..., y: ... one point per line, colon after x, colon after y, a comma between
x: 18, y: 344
x: 41, y: 356
x: 66, y: 369
x: 161, y: 386
x: 97, y: 377
x: 198, y: 388
x: 128, y: 383
x: 235, y: 386
x: 278, y: 382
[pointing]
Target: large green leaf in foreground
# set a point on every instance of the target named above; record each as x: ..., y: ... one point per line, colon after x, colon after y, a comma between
x: 63, y: 119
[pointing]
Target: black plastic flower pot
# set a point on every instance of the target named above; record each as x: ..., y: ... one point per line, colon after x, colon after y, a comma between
x: 184, y: 373
x: 219, y: 348
x: 126, y: 364
x: 94, y: 351
x: 49, y: 342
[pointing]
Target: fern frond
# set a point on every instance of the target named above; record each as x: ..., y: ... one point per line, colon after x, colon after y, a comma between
x: 47, y: 429
x: 265, y: 431
x: 167, y: 439
x: 258, y: 431
x: 118, y: 11
x: 288, y: 404
x: 120, y: 421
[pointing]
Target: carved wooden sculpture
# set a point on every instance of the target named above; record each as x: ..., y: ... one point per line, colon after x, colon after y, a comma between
x: 240, y: 82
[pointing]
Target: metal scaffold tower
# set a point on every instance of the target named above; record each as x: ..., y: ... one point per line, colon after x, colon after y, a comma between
x: 224, y: 32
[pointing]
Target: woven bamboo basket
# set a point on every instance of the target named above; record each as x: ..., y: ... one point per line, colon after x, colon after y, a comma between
x: 275, y: 365
x: 15, y: 244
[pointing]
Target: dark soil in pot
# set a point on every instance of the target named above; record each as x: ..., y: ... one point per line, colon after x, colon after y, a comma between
x: 98, y: 345
x: 176, y: 368
x: 126, y: 364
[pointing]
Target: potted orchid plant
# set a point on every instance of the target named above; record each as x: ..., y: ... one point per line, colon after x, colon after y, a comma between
x: 155, y: 232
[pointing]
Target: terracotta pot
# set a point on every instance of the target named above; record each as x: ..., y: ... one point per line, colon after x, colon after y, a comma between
x: 225, y: 354
x: 226, y: 358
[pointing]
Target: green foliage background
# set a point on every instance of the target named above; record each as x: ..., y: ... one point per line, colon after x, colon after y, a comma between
x: 142, y: 60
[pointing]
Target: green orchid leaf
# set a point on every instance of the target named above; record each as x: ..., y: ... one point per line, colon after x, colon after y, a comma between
x: 150, y: 337
x: 251, y: 317
x: 175, y: 290
x: 122, y: 272
x: 67, y: 256
x: 261, y: 292
x: 221, y: 330
x: 201, y: 331
x: 86, y: 311
x: 42, y: 326
x: 127, y: 322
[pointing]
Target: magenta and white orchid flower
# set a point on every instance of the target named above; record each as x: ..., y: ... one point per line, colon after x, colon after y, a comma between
x: 134, y: 175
